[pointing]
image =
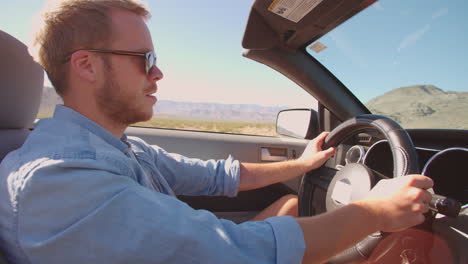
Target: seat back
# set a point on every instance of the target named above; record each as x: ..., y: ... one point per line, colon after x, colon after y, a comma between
x: 21, y: 82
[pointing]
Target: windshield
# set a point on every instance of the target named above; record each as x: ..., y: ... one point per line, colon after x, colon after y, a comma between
x: 404, y: 59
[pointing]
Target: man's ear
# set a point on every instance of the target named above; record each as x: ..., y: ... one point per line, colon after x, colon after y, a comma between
x: 84, y: 65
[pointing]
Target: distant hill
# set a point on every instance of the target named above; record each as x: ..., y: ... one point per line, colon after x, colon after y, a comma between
x: 423, y: 106
x: 188, y: 110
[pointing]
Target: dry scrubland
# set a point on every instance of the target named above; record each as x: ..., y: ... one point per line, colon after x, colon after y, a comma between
x: 248, y: 128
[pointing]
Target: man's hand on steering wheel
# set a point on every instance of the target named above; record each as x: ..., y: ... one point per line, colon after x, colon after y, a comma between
x: 400, y: 202
x: 313, y: 155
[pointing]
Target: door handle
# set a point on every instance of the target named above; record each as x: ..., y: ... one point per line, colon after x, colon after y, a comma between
x: 273, y: 154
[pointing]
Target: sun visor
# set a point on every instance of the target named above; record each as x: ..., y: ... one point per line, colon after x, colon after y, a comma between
x: 258, y: 35
x: 296, y: 23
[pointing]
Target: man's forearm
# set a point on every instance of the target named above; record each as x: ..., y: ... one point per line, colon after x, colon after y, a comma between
x: 328, y: 234
x: 256, y: 175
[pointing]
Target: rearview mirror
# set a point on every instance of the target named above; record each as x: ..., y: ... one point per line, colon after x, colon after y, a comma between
x: 298, y: 123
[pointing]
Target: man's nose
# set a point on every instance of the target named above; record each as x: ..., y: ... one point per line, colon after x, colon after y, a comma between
x: 155, y: 74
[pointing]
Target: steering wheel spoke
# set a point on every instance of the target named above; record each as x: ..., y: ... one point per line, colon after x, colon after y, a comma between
x: 379, y: 176
x: 313, y: 190
x: 320, y: 177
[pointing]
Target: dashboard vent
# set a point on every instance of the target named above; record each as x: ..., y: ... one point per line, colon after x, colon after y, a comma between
x: 364, y: 138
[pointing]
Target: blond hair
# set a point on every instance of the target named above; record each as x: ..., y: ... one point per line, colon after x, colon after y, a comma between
x: 68, y: 25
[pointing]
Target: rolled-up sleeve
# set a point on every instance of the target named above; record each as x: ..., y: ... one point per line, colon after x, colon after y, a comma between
x: 289, y: 239
x: 92, y: 216
x: 189, y: 176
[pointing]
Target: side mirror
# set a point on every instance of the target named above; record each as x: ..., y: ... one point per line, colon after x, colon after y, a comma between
x: 298, y: 123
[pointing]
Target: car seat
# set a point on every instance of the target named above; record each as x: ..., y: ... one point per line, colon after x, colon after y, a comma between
x: 21, y: 83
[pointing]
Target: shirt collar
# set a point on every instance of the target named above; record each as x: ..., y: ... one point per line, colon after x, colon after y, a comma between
x: 67, y: 114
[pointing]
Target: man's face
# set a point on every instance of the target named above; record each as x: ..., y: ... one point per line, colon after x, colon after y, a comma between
x: 125, y: 92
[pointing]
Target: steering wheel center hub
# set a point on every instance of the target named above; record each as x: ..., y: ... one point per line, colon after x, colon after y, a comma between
x: 351, y: 183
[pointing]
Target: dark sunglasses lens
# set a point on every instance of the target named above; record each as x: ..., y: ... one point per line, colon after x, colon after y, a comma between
x: 150, y: 61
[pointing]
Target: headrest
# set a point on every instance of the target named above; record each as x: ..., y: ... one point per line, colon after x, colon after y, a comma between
x: 21, y: 82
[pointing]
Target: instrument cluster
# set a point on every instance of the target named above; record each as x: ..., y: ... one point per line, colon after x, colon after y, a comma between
x: 446, y: 167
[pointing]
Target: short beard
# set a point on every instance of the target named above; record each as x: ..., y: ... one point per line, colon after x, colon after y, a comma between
x: 113, y: 102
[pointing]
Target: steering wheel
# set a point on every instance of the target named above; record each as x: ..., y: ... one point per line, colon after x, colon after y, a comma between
x: 326, y: 189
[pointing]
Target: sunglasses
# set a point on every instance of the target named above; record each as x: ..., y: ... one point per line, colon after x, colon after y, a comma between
x: 150, y: 56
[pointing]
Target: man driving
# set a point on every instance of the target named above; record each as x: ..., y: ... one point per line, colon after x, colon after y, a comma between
x: 80, y: 191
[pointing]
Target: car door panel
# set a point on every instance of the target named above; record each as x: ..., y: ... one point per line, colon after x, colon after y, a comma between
x: 245, y: 148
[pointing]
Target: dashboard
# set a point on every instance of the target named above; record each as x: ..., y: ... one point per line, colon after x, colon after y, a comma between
x: 442, y: 155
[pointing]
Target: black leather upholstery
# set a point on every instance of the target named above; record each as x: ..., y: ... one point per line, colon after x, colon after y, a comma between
x: 404, y: 154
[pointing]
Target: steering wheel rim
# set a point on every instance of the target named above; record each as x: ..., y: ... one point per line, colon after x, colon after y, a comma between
x: 404, y: 162
x: 404, y: 154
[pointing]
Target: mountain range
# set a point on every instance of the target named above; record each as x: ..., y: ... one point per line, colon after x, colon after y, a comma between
x: 217, y: 111
x: 417, y: 106
x: 188, y: 110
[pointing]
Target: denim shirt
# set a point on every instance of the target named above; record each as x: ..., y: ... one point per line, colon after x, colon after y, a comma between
x: 74, y: 193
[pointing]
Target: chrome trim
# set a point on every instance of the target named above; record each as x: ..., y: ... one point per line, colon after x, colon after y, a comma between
x: 428, y: 149
x: 362, y: 152
x: 370, y: 148
x: 438, y: 154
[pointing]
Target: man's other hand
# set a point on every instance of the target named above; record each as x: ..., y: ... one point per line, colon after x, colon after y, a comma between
x: 400, y: 202
x: 313, y: 155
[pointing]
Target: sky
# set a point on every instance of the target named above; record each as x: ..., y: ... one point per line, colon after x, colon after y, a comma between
x: 419, y: 42
x: 198, y: 44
